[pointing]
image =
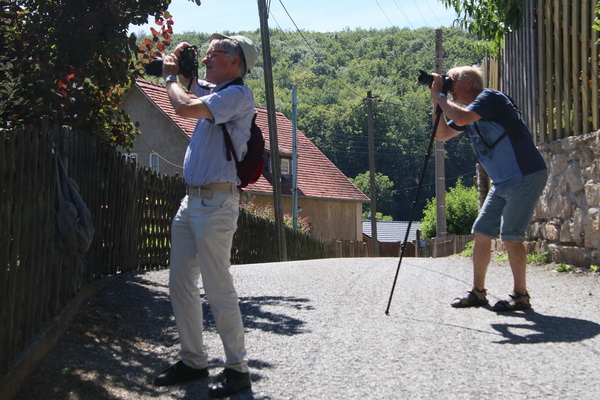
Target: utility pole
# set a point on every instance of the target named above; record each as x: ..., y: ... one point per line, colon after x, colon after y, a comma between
x: 440, y: 172
x: 373, y: 192
x: 294, y: 157
x: 272, y: 118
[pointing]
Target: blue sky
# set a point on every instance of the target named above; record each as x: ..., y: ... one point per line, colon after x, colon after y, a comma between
x: 311, y: 15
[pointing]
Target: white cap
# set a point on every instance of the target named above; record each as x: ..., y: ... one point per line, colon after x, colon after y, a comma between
x: 248, y: 48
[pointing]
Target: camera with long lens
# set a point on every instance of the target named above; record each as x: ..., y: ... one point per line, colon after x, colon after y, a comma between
x: 188, y: 64
x: 427, y: 80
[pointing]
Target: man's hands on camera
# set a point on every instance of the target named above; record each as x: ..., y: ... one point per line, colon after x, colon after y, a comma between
x: 437, y: 86
x: 171, y: 63
x: 181, y: 46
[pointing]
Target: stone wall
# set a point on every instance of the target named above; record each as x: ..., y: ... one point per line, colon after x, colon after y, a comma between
x: 566, y: 222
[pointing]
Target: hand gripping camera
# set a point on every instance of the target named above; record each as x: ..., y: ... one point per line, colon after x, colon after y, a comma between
x: 188, y: 64
x: 427, y: 80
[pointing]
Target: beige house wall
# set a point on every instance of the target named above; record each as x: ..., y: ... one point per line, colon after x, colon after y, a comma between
x: 329, y: 218
x: 157, y: 128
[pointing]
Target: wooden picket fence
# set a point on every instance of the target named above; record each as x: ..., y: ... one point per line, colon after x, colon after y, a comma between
x: 550, y: 67
x: 132, y: 209
x: 436, y: 247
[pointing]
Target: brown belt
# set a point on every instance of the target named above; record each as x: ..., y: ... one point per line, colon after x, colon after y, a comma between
x: 206, y: 191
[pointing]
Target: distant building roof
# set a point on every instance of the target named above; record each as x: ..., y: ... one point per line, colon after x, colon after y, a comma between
x: 318, y: 177
x: 391, y: 231
x: 158, y: 95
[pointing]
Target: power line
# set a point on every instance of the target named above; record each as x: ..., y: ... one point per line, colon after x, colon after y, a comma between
x: 433, y: 183
x: 433, y: 12
x: 419, y: 10
x: 277, y: 23
x: 140, y: 138
x: 403, y: 13
x: 382, y: 10
x: 311, y: 48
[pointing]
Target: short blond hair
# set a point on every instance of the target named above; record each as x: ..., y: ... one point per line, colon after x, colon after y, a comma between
x: 468, y: 71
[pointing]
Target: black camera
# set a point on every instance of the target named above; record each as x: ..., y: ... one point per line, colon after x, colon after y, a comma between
x: 427, y: 80
x: 188, y: 64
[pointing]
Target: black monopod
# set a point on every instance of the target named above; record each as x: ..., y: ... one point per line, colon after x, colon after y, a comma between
x: 438, y: 114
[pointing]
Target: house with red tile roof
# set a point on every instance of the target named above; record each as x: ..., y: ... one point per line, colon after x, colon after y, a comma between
x: 326, y: 196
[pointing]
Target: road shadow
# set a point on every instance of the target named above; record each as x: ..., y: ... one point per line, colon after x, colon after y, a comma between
x: 259, y: 313
x: 540, y: 328
x: 125, y: 335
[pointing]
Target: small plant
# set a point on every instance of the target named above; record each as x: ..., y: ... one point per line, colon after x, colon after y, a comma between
x: 266, y: 212
x: 562, y: 267
x: 538, y: 258
x: 502, y: 257
x: 594, y: 268
x: 468, y: 251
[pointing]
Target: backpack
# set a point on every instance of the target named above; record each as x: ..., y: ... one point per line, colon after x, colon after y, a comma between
x: 73, y: 217
x: 250, y: 168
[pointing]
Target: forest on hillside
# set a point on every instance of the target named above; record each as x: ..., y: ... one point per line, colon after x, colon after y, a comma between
x: 333, y: 73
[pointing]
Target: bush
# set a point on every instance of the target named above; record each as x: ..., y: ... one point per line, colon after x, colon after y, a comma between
x: 266, y: 212
x: 562, y: 267
x: 538, y: 258
x: 72, y: 61
x: 468, y: 251
x: 461, y: 212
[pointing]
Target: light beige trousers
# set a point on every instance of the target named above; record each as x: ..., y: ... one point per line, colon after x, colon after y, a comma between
x: 201, y: 239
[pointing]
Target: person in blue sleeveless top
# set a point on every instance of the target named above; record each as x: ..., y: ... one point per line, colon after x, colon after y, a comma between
x: 506, y: 150
x: 202, y: 231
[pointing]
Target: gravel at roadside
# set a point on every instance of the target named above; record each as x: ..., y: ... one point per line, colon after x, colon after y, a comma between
x: 317, y: 329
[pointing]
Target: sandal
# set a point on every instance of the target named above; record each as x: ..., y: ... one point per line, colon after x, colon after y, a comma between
x: 472, y: 298
x: 514, y: 302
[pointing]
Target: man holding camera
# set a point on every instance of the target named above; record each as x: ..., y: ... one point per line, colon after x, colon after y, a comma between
x: 202, y: 231
x: 505, y: 149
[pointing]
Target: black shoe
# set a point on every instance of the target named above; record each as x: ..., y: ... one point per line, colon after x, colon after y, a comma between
x: 229, y: 382
x: 179, y: 373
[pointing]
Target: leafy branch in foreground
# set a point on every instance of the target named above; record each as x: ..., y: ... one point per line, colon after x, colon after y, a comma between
x: 72, y: 61
x: 491, y: 19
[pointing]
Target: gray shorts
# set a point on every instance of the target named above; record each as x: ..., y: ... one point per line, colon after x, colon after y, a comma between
x: 508, y: 210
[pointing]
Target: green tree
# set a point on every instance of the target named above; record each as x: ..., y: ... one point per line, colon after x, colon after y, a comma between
x: 461, y: 211
x: 333, y: 72
x: 72, y: 60
x: 597, y: 20
x: 491, y: 19
x: 385, y: 193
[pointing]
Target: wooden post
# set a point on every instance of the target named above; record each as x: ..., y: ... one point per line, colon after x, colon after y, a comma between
x: 440, y: 171
x: 373, y: 193
x: 271, y: 114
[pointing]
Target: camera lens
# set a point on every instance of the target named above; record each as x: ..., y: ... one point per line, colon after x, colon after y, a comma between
x: 425, y: 78
x: 154, y: 67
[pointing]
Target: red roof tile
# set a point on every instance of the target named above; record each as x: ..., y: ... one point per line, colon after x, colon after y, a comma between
x: 158, y: 95
x: 317, y: 175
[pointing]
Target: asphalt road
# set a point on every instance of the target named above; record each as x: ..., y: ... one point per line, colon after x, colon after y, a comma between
x: 318, y: 330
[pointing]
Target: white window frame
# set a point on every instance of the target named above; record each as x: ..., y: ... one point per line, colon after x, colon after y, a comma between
x: 154, y: 162
x: 286, y: 167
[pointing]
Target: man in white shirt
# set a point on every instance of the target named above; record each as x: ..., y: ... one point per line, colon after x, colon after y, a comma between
x: 202, y: 230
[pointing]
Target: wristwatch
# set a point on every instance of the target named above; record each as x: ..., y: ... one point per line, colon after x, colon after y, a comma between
x: 440, y: 94
x: 170, y: 78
